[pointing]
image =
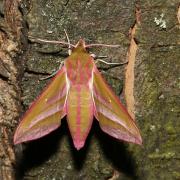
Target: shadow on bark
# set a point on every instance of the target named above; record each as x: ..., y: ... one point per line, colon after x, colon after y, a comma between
x: 39, y: 151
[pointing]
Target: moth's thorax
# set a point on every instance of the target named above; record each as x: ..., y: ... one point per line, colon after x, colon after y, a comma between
x: 79, y: 66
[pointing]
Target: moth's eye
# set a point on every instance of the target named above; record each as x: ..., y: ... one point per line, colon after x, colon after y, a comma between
x: 93, y: 55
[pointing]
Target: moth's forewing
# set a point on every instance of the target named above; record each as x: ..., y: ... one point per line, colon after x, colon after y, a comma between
x: 45, y: 113
x: 111, y: 114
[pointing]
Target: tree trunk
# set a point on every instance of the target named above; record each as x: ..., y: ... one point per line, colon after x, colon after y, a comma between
x: 11, y: 59
x: 148, y: 34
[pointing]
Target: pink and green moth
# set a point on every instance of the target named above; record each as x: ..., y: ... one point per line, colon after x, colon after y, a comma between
x: 79, y: 92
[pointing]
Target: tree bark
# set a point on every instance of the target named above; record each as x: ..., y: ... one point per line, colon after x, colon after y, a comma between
x: 148, y: 34
x: 10, y: 53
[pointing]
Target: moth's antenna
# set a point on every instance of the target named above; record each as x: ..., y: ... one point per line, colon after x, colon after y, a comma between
x: 102, y: 45
x: 69, y: 47
x: 49, y: 41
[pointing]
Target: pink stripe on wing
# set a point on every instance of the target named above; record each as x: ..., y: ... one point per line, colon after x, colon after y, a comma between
x: 34, y: 133
x: 112, y: 116
x: 121, y: 135
x: 45, y: 114
x: 61, y: 92
x: 101, y: 99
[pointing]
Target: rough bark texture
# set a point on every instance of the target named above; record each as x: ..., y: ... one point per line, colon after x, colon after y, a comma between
x: 10, y: 60
x: 148, y: 34
x: 157, y: 90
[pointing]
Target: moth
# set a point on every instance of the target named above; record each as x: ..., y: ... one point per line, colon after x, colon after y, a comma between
x: 79, y: 92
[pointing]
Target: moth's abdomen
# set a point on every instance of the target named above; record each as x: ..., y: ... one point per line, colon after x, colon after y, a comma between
x: 80, y: 110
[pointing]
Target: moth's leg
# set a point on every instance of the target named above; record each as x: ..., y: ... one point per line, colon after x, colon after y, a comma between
x: 54, y: 73
x: 105, y: 69
x: 99, y: 59
x: 110, y: 63
x: 95, y: 57
x: 69, y: 47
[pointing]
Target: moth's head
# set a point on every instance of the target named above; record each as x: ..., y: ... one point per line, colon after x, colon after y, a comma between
x: 81, y: 43
x: 80, y: 46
